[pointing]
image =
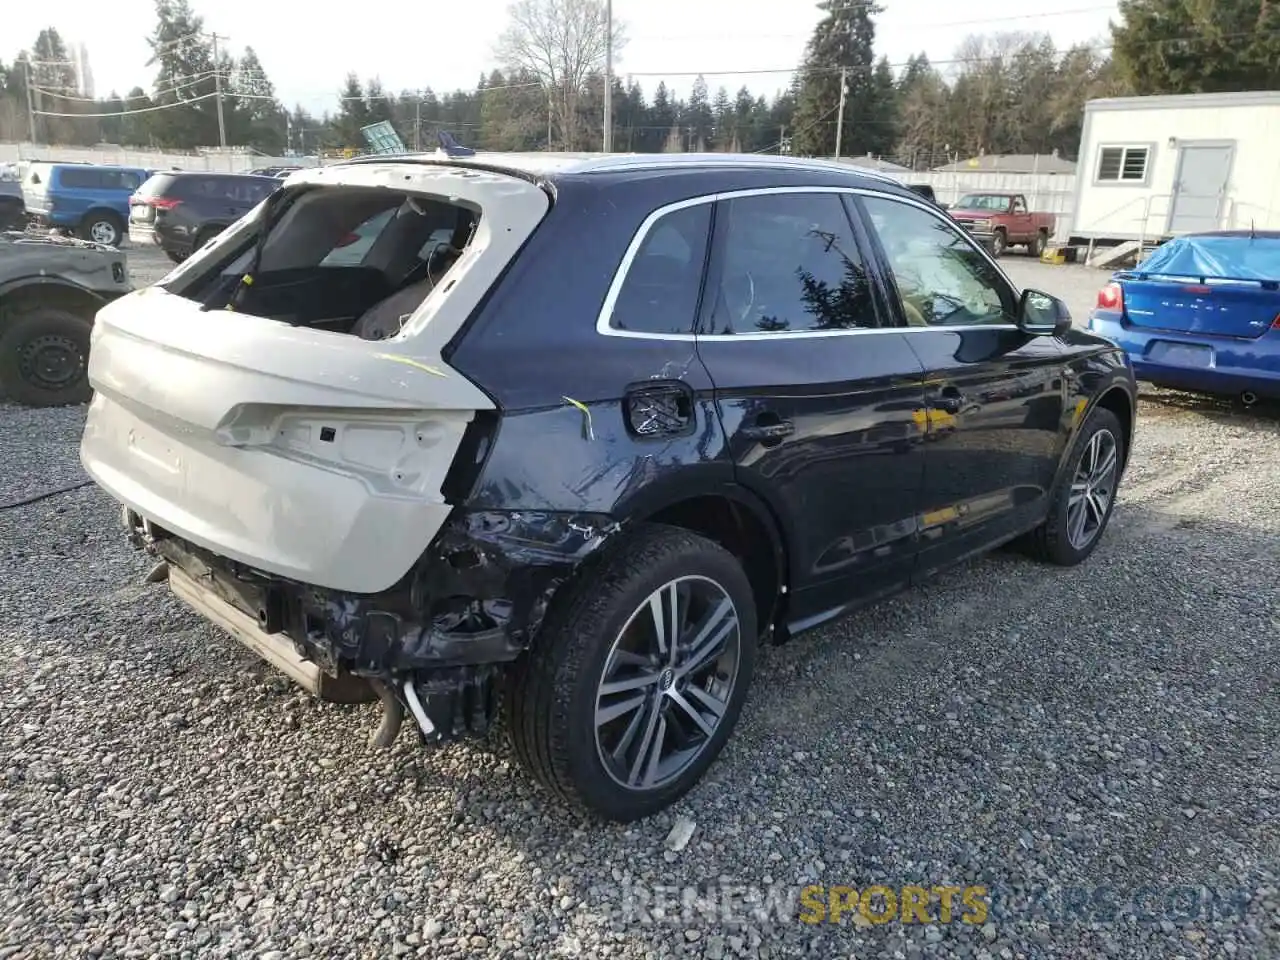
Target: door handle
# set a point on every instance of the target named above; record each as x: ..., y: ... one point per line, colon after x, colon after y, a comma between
x: 948, y: 400
x: 770, y: 432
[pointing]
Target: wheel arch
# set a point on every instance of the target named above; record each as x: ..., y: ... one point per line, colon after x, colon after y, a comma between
x: 16, y: 296
x: 1120, y: 402
x: 104, y: 211
x: 1115, y: 397
x: 734, y: 517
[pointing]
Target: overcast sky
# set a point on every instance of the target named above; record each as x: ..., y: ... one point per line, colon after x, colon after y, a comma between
x: 306, y: 49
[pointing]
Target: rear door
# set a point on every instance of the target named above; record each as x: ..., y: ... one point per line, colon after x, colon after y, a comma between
x: 820, y: 395
x: 995, y: 395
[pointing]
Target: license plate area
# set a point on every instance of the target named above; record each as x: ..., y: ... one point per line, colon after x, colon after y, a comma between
x: 1195, y: 355
x: 141, y: 214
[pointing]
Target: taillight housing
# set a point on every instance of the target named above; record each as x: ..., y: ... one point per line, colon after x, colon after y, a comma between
x: 164, y: 203
x: 1275, y: 324
x: 1111, y: 297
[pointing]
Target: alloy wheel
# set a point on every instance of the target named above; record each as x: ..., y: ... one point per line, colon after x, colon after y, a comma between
x: 667, y: 682
x: 104, y: 232
x: 1092, y: 489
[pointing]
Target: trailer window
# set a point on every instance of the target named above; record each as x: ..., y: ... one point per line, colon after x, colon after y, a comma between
x: 1122, y: 164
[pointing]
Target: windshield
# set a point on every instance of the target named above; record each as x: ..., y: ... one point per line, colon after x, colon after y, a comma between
x: 991, y: 202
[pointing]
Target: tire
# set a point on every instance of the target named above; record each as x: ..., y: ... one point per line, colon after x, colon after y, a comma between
x: 1052, y: 542
x: 102, y: 227
x: 999, y: 243
x: 175, y: 256
x: 44, y: 356
x: 553, y: 690
x: 1039, y: 245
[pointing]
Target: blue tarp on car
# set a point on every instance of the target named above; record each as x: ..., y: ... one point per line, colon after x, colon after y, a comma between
x: 1222, y: 256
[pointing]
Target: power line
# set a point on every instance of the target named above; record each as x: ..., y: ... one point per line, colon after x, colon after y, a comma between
x: 127, y: 113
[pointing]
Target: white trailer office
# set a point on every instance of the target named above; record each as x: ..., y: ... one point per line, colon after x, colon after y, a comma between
x: 1151, y: 168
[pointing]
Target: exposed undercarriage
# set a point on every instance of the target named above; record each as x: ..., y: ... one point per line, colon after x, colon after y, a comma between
x: 436, y: 643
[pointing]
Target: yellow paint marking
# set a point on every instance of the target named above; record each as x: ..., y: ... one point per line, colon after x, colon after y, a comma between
x: 410, y: 362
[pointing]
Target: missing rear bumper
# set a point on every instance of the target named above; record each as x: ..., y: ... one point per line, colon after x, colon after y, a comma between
x: 435, y: 646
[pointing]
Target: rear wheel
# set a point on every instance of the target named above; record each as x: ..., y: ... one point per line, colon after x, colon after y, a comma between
x: 1082, y: 502
x: 1039, y: 245
x: 102, y: 227
x: 44, y: 358
x: 175, y: 256
x: 637, y: 678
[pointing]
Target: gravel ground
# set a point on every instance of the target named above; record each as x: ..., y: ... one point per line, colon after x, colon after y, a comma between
x: 1102, y: 737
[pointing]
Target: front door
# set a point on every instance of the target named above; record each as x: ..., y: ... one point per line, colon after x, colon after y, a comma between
x: 1200, y: 187
x: 820, y: 396
x: 994, y: 394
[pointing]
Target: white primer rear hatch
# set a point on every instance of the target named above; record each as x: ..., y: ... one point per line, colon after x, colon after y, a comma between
x: 313, y: 455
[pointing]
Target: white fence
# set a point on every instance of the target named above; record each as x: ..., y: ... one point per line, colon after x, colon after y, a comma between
x: 216, y: 161
x: 1045, y: 192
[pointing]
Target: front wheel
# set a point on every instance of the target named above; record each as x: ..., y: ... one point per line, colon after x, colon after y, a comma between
x: 637, y: 678
x: 44, y: 358
x: 1081, y: 503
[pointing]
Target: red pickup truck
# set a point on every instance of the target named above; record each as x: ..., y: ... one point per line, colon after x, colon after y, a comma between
x: 1003, y: 221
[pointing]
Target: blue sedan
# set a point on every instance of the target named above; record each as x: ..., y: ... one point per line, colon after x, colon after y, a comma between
x: 1201, y: 313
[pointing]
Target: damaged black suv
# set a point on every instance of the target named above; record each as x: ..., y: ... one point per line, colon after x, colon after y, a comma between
x: 565, y: 439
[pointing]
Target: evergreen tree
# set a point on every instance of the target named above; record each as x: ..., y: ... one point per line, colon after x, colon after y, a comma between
x: 185, y: 79
x: 698, y: 121
x: 353, y: 113
x: 844, y: 38
x: 260, y: 120
x: 662, y: 119
x: 725, y: 120
x: 1178, y: 46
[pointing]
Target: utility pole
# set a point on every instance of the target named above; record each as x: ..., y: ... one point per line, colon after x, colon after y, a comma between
x: 217, y: 85
x: 782, y: 140
x: 844, y: 89
x: 608, y: 76
x: 31, y: 109
x: 417, y: 125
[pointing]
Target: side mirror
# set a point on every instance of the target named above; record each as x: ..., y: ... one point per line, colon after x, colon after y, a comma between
x: 1042, y: 315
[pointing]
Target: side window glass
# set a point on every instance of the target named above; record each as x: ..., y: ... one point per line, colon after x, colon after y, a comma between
x: 79, y: 178
x: 941, y: 279
x: 788, y: 263
x: 130, y: 181
x: 659, y: 293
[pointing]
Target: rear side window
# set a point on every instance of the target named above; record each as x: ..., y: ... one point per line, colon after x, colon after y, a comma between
x: 156, y: 186
x: 660, y: 289
x: 80, y: 178
x: 787, y: 263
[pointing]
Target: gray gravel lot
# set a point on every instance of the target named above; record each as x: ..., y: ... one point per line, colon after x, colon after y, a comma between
x: 1107, y: 733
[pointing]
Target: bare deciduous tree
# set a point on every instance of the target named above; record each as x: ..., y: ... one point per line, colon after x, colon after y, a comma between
x: 562, y: 43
